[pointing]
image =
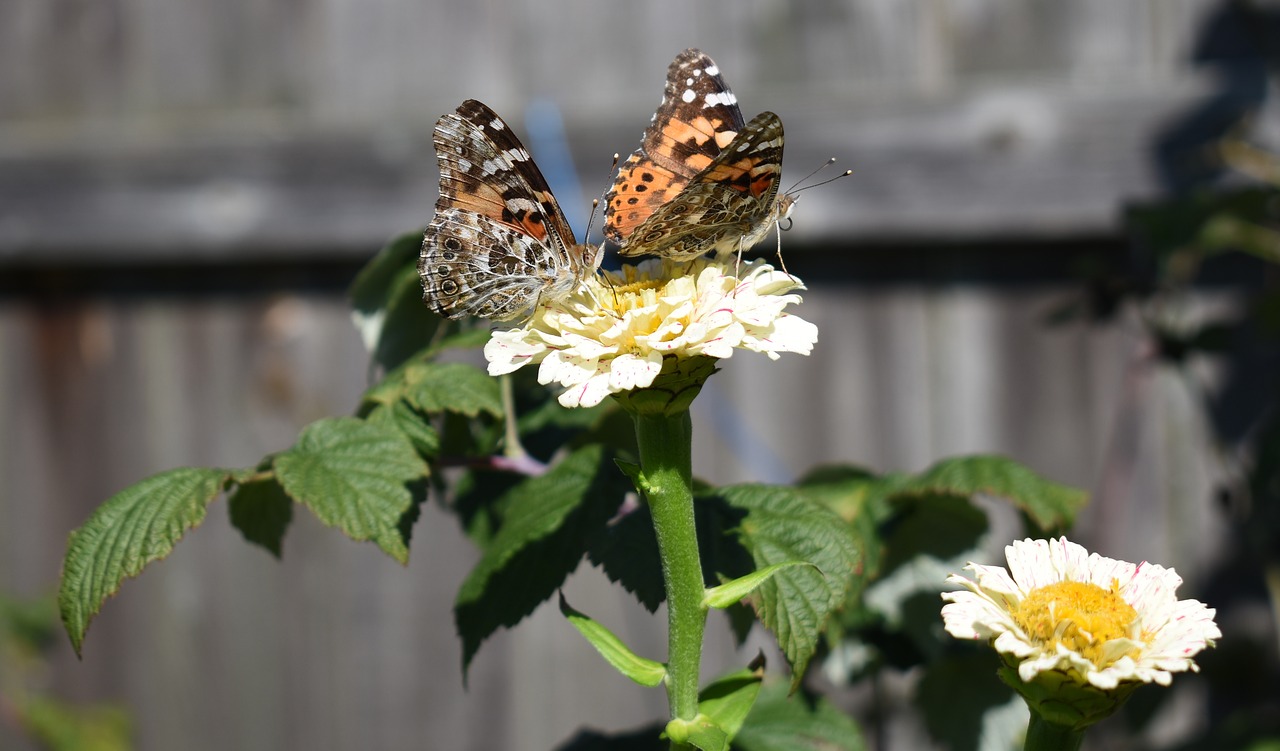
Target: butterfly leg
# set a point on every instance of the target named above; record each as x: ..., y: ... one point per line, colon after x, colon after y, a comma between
x: 737, y: 264
x: 777, y: 227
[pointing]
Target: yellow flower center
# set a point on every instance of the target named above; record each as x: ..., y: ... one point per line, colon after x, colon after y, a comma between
x: 635, y: 288
x: 1081, y: 617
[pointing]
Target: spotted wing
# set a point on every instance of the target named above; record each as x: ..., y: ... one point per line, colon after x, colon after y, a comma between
x: 499, y: 242
x: 733, y: 201
x: 697, y: 118
x: 474, y: 265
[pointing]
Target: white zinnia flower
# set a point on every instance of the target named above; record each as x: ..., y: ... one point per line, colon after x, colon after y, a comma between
x: 613, y: 333
x: 1089, y: 619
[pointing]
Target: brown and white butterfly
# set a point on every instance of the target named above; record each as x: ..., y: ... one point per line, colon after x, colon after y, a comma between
x: 499, y: 243
x: 702, y: 178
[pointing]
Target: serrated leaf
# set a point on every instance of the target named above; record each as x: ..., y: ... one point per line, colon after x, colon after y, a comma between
x: 728, y: 699
x: 782, y: 723
x: 413, y: 424
x: 543, y: 536
x: 862, y: 500
x: 642, y: 670
x: 729, y: 593
x: 627, y: 552
x: 355, y: 476
x: 134, y: 527
x: 782, y: 525
x: 261, y: 510
x: 453, y: 387
x: 1049, y: 505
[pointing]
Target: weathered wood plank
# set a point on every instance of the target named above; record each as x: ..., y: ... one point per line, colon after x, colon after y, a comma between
x: 1032, y: 162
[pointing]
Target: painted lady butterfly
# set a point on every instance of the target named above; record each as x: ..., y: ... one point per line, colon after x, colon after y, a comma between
x: 702, y: 179
x: 499, y: 243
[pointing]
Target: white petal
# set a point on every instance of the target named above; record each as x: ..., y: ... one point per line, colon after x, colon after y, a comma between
x: 628, y: 372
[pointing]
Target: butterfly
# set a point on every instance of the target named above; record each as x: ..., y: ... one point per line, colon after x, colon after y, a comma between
x: 499, y: 243
x: 702, y: 178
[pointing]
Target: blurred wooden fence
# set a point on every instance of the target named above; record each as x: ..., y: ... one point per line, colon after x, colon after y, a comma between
x: 185, y: 188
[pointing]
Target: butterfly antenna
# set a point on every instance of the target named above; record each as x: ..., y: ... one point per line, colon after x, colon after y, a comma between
x: 820, y: 168
x: 846, y: 173
x: 789, y: 199
x: 603, y: 194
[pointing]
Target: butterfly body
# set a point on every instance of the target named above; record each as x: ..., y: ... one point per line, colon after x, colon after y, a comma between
x: 702, y: 179
x: 499, y: 243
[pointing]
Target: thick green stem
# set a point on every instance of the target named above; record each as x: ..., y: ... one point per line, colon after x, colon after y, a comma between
x: 666, y: 462
x: 1043, y: 735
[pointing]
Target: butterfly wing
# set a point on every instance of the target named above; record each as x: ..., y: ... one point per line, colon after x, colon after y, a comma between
x: 697, y: 118
x: 730, y: 203
x: 474, y: 265
x: 499, y: 242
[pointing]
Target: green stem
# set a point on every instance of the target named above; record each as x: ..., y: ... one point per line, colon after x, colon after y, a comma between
x: 1043, y: 735
x: 666, y: 460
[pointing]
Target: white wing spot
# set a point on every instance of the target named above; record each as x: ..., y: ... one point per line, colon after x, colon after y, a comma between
x: 713, y: 70
x: 517, y: 155
x: 465, y: 165
x: 688, y: 81
x: 717, y: 98
x: 689, y: 96
x: 498, y: 124
x: 523, y: 204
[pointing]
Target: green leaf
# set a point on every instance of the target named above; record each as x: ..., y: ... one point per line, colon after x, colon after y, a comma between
x: 261, y: 511
x: 413, y: 424
x: 782, y: 525
x: 387, y: 298
x: 439, y: 387
x: 701, y: 732
x: 542, y: 538
x: 731, y: 592
x: 453, y: 387
x: 644, y: 671
x: 1049, y: 505
x: 862, y: 500
x: 627, y: 552
x: 779, y: 723
x: 728, y: 699
x: 845, y: 489
x: 134, y: 527
x: 355, y: 476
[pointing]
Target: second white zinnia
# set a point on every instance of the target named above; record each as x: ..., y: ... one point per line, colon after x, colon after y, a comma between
x: 1091, y: 619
